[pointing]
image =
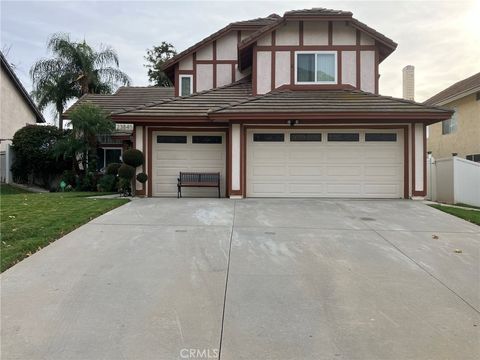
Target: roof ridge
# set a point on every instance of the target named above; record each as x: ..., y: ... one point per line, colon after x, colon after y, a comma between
x: 469, y: 78
x: 178, y: 98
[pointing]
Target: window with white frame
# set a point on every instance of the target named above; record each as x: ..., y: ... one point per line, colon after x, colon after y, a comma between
x: 107, y: 156
x: 317, y: 67
x: 450, y: 126
x: 185, y: 85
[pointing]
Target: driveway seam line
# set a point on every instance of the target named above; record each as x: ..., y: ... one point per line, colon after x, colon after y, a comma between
x: 428, y: 272
x: 226, y: 282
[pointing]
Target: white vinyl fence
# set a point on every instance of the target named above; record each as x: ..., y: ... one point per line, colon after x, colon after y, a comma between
x: 453, y: 180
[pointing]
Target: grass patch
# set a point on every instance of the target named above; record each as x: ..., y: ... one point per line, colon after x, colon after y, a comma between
x: 468, y: 206
x: 472, y: 216
x: 30, y: 221
x: 9, y: 190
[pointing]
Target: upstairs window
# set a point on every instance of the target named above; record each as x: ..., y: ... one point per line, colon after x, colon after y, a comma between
x: 185, y: 85
x: 319, y: 67
x: 450, y: 126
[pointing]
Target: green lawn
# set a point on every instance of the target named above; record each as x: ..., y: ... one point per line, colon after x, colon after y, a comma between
x: 470, y: 215
x: 30, y: 221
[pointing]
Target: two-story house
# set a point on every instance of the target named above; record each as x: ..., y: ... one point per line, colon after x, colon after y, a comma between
x: 460, y: 134
x: 284, y: 106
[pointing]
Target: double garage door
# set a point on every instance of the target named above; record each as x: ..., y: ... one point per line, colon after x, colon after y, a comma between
x: 288, y: 163
x: 333, y: 163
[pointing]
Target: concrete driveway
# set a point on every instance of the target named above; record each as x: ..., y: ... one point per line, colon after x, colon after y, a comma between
x: 250, y: 279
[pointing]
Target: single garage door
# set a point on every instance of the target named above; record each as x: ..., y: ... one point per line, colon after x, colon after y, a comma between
x: 186, y: 151
x: 333, y: 163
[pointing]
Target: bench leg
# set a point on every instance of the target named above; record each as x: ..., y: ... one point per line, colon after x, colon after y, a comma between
x: 179, y: 192
x: 219, y: 192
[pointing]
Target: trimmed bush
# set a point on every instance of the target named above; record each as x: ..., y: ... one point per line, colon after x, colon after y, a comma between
x: 108, y: 183
x: 112, y: 169
x: 142, y: 177
x: 126, y: 172
x: 133, y: 157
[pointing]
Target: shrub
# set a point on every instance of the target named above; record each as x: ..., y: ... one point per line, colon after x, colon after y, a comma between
x: 112, y: 169
x: 142, y: 177
x: 133, y: 157
x: 34, y: 153
x: 108, y: 183
x: 126, y: 172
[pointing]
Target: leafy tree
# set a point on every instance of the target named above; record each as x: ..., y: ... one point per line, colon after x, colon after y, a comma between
x: 156, y: 57
x: 87, y: 121
x: 76, y: 69
x: 35, y: 157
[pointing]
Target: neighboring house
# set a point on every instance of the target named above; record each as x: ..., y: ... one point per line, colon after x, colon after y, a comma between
x: 283, y: 106
x: 461, y: 133
x: 17, y: 109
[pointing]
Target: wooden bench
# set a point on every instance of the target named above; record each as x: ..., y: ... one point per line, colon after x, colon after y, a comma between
x: 196, y: 179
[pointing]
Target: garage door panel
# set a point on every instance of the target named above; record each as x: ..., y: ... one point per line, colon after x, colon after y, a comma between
x: 171, y: 159
x: 304, y: 189
x: 325, y: 169
x: 269, y: 171
x: 305, y: 171
x: 376, y: 189
x: 383, y: 171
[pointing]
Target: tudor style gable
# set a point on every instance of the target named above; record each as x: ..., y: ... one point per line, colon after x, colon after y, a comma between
x: 304, y: 49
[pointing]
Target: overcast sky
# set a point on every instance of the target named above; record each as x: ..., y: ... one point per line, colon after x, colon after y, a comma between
x: 441, y: 39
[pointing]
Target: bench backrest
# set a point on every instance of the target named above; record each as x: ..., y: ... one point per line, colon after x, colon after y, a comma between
x: 197, y: 177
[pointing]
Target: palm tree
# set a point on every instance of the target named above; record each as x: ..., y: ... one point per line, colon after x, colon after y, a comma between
x: 81, y: 68
x: 56, y: 90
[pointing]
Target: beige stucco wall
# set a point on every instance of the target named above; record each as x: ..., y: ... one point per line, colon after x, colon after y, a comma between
x: 264, y: 72
x: 349, y: 67
x: 343, y: 34
x: 14, y: 111
x: 204, y: 76
x: 315, y: 33
x: 227, y: 46
x: 466, y: 140
x: 186, y: 64
x: 367, y: 71
x: 224, y: 74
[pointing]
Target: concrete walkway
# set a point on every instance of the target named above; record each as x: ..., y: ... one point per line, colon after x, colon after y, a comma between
x: 250, y: 279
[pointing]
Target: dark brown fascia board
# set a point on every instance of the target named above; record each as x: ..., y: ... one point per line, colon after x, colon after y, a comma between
x: 166, y: 67
x: 364, y: 116
x: 155, y: 119
x: 26, y: 97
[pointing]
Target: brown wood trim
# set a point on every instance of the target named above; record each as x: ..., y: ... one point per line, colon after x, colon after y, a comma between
x: 339, y: 67
x: 229, y: 157
x: 424, y: 160
x: 292, y: 67
x: 360, y: 127
x: 214, y: 57
x: 273, y: 64
x: 315, y: 48
x: 300, y: 33
x: 334, y: 116
x: 414, y: 191
x: 176, y: 83
x: 316, y: 87
x: 144, y: 139
x: 194, y: 57
x: 233, y: 73
x: 330, y: 33
x: 377, y: 75
x: 208, y: 62
x: 254, y: 71
x: 406, y: 168
x: 160, y: 128
x: 185, y: 72
x: 358, y: 70
x: 243, y: 160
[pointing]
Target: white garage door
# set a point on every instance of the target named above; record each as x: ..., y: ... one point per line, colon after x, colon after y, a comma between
x: 186, y: 151
x: 326, y: 163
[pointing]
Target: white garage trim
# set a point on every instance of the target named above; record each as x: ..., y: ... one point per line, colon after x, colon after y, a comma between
x: 363, y: 169
x: 175, y: 151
